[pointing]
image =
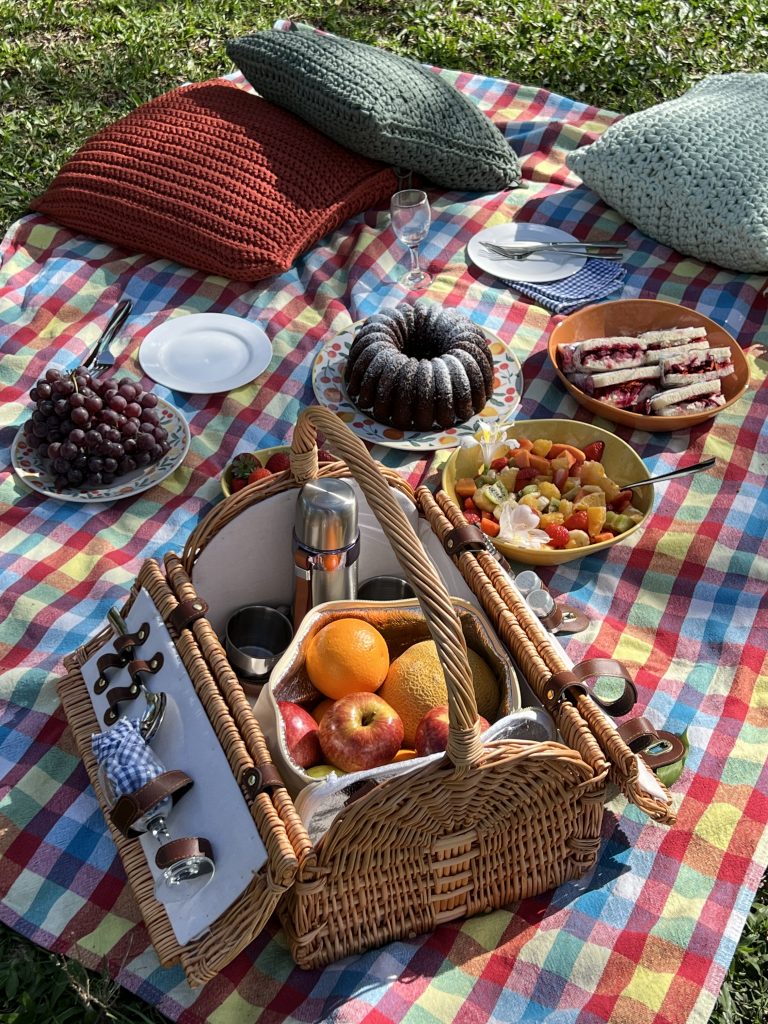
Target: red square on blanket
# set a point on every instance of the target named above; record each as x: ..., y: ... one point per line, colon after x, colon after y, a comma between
x: 213, y: 177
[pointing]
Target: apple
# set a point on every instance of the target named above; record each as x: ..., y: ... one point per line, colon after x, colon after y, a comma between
x: 359, y: 732
x: 432, y: 731
x: 322, y: 771
x: 300, y: 734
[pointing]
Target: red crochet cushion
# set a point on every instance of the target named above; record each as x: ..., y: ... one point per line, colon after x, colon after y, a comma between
x: 213, y: 177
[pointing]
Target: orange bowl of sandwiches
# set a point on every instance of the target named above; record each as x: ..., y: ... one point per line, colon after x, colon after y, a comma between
x: 648, y: 364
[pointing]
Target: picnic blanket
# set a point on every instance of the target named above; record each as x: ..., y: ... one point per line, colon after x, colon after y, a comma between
x: 648, y: 935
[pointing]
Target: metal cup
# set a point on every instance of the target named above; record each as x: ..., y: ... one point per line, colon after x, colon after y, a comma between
x: 385, y: 588
x: 256, y: 636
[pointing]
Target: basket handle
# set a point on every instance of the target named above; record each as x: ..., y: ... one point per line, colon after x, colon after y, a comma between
x: 464, y: 746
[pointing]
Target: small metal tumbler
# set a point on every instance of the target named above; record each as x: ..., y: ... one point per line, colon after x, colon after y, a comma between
x: 385, y: 588
x: 326, y: 545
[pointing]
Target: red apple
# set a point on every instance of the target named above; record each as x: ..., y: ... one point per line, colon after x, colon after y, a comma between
x: 432, y: 731
x: 360, y: 731
x: 300, y: 734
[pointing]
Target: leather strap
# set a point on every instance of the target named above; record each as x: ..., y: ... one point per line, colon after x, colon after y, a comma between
x: 179, y: 849
x: 119, y: 695
x: 130, y: 807
x: 130, y: 640
x: 571, y: 620
x: 138, y: 666
x: 104, y: 663
x: 657, y: 747
x: 568, y: 683
x: 260, y: 779
x: 464, y: 538
x: 302, y: 589
x: 186, y: 613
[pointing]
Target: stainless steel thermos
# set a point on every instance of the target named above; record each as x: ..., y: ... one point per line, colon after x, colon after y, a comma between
x: 326, y: 545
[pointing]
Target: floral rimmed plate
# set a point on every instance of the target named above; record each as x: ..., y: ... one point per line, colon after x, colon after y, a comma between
x: 328, y: 383
x: 32, y: 470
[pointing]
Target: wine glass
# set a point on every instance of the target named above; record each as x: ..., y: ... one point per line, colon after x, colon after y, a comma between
x: 411, y: 219
x: 184, y: 876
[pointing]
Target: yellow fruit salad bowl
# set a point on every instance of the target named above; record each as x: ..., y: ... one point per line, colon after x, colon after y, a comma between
x: 552, y: 491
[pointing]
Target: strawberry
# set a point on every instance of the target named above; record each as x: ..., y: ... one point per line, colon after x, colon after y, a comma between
x: 278, y: 462
x: 558, y: 535
x: 577, y: 521
x: 259, y: 474
x: 473, y: 518
x: 238, y: 483
x: 621, y: 501
x: 243, y: 465
x: 499, y: 464
x: 325, y: 456
x: 469, y: 505
x: 524, y: 476
x: 594, y: 451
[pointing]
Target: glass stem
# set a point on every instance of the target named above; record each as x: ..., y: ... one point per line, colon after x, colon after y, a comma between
x: 158, y: 830
x: 414, y: 251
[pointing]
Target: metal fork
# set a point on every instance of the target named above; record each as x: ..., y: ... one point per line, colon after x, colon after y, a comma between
x: 510, y: 251
x: 525, y: 254
x: 101, y: 358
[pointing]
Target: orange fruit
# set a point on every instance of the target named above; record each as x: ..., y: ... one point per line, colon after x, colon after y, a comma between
x: 404, y: 755
x: 347, y: 656
x: 415, y: 684
x: 320, y: 709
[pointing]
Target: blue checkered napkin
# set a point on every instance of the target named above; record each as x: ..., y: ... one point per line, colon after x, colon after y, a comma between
x: 125, y: 757
x: 595, y: 280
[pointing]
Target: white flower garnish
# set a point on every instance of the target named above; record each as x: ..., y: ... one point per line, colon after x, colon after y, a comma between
x: 518, y: 526
x: 493, y: 440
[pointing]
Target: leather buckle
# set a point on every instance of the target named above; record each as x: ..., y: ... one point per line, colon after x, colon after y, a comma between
x: 187, y: 612
x: 256, y: 779
x: 464, y: 538
x: 132, y: 806
x: 657, y: 747
x: 573, y: 682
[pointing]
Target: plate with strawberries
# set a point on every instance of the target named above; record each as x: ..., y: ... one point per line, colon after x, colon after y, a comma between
x: 552, y: 491
x: 254, y: 466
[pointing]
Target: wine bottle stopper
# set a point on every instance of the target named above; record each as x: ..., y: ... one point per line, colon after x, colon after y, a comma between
x: 527, y: 582
x: 541, y: 603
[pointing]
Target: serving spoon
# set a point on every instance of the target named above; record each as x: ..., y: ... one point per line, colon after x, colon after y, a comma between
x: 697, y: 467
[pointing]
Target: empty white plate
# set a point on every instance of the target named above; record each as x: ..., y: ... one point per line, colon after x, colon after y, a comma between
x: 205, y: 353
x: 538, y: 268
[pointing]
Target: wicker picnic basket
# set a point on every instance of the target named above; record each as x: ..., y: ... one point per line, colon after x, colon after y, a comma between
x: 487, y: 826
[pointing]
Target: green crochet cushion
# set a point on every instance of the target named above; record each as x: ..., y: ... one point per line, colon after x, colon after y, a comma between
x: 691, y: 172
x: 383, y: 106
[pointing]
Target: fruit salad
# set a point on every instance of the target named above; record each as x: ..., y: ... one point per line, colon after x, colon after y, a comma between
x: 546, y: 495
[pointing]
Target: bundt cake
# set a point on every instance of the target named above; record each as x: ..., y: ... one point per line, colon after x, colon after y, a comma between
x: 416, y: 366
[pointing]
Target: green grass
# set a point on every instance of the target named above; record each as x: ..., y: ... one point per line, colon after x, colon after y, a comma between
x: 68, y: 67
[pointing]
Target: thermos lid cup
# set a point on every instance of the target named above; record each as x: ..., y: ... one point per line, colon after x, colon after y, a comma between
x: 326, y: 515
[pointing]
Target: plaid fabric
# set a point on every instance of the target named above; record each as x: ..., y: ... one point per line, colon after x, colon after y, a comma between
x: 596, y: 280
x: 129, y: 763
x: 647, y: 936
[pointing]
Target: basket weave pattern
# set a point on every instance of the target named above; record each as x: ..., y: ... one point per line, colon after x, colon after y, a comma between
x: 276, y: 820
x: 583, y: 725
x: 488, y: 825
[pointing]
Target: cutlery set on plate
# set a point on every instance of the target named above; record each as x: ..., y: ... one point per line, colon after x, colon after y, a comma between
x: 523, y: 250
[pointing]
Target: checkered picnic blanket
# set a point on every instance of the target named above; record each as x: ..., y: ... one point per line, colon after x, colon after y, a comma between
x: 647, y: 936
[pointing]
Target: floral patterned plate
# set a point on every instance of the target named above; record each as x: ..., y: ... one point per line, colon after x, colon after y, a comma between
x: 32, y: 470
x: 328, y: 382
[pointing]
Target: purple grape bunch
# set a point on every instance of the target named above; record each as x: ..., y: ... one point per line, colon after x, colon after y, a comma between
x: 92, y: 431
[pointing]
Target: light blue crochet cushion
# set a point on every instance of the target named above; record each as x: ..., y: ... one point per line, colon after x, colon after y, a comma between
x: 692, y: 172
x: 381, y: 105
